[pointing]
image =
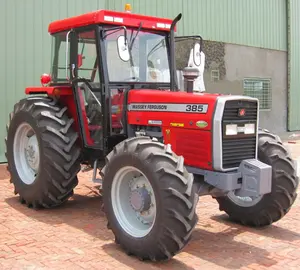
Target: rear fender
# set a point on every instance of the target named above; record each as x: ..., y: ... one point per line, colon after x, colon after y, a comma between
x: 50, y: 91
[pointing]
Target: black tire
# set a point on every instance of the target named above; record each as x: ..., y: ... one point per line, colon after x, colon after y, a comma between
x: 59, y: 152
x: 176, y: 198
x: 275, y: 205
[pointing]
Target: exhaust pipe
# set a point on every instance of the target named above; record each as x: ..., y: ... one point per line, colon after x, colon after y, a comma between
x: 172, y: 53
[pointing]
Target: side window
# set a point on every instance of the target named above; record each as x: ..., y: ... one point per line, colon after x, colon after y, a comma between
x: 59, y: 47
x: 87, y: 57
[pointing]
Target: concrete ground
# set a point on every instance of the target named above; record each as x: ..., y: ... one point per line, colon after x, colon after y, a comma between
x: 75, y: 236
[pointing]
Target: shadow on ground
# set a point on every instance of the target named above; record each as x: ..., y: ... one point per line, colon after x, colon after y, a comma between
x: 218, y: 248
x: 272, y: 231
x: 117, y: 253
x: 223, y: 250
x: 86, y: 212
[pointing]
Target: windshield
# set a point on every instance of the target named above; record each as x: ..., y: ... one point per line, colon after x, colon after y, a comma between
x: 146, y: 59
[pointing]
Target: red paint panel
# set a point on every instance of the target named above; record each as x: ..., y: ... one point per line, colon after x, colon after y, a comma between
x: 194, y: 145
x: 190, y: 141
x: 98, y: 17
x: 156, y: 96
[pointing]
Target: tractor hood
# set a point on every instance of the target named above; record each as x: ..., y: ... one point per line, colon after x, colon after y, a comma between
x: 188, y: 109
x: 170, y: 99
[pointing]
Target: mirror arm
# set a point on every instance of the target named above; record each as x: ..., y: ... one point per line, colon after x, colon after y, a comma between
x: 115, y: 28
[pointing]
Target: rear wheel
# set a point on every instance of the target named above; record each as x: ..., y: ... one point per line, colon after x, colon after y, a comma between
x: 149, y: 199
x: 269, y: 208
x: 42, y: 152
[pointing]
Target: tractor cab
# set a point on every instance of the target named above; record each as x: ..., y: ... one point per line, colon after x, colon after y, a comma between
x: 103, y: 55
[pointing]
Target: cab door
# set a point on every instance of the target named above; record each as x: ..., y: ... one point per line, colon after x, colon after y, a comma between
x: 87, y: 86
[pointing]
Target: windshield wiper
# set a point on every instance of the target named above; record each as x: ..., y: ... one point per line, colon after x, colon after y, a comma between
x: 157, y: 46
x: 132, y: 39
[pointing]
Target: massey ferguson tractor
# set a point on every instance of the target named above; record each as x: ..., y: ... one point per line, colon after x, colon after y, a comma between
x: 112, y: 103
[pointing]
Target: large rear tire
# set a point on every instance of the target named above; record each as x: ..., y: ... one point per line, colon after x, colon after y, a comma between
x: 149, y: 199
x: 269, y: 208
x: 42, y: 152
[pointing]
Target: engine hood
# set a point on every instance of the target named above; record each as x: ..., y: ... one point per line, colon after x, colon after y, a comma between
x: 159, y: 96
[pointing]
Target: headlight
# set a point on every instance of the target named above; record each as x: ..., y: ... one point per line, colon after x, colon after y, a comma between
x: 231, y: 130
x: 234, y: 129
x: 249, y: 129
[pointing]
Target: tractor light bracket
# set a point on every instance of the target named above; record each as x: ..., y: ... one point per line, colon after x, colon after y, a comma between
x: 253, y: 178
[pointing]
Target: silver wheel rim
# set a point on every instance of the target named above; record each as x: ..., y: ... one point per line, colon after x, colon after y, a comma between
x: 244, y: 201
x: 26, y: 153
x: 130, y: 194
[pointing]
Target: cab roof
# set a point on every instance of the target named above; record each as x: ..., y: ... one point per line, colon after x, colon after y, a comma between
x: 110, y: 17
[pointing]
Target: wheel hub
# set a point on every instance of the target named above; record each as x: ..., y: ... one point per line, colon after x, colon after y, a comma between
x: 140, y: 200
x: 244, y: 201
x: 26, y: 153
x: 133, y: 201
x: 32, y: 153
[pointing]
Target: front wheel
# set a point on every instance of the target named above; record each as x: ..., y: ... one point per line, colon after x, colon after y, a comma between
x: 269, y: 208
x: 149, y: 199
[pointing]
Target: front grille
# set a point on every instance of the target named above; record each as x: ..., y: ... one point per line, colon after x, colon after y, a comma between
x: 240, y: 147
x: 232, y: 108
x: 236, y: 150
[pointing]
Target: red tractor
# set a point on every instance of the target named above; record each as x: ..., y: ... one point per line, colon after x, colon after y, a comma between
x: 112, y: 103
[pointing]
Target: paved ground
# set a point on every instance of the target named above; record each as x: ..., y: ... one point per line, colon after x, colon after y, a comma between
x: 75, y: 236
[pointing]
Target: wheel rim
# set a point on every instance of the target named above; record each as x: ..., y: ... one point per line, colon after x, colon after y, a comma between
x: 244, y: 201
x: 133, y: 201
x: 26, y: 153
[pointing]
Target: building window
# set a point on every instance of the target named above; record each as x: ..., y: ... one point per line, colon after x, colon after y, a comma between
x: 215, y: 75
x: 260, y: 89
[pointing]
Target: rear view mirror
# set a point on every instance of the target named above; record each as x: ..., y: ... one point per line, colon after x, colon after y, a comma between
x: 123, y: 48
x: 197, y: 55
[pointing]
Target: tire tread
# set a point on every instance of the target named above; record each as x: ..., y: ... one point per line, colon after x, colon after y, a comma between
x: 180, y: 217
x: 276, y: 204
x: 61, y: 160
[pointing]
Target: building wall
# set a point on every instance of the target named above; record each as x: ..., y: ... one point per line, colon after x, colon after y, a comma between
x: 258, y: 23
x: 25, y: 42
x: 235, y: 63
x: 248, y: 62
x: 25, y: 46
x: 294, y: 64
